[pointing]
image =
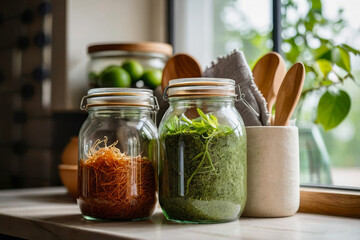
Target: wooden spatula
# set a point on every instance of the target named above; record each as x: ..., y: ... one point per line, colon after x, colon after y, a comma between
x: 268, y: 72
x: 180, y: 65
x: 289, y: 94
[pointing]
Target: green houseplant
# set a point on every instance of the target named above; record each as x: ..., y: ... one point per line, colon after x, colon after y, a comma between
x: 329, y: 65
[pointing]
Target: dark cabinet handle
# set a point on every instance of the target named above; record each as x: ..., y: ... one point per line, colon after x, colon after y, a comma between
x: 40, y: 73
x: 41, y: 39
x: 44, y: 8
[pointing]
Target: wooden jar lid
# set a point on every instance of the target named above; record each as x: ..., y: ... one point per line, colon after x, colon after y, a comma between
x: 200, y: 87
x: 128, y: 97
x: 153, y: 47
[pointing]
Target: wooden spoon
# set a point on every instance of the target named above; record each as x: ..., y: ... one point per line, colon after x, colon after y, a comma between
x: 268, y: 72
x: 180, y: 65
x: 289, y: 94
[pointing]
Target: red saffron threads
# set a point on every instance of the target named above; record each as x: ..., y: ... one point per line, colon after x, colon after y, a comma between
x: 114, y: 185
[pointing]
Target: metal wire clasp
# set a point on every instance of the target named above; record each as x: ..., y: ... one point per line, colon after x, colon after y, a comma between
x: 164, y: 95
x: 83, y: 103
x: 156, y: 104
x: 241, y: 97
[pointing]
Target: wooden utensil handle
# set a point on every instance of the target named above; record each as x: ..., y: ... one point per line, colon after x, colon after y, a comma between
x: 289, y: 94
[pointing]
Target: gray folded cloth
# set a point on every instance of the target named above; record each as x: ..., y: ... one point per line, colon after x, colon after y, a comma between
x: 234, y: 66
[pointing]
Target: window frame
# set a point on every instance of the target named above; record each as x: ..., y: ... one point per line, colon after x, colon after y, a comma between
x: 327, y: 200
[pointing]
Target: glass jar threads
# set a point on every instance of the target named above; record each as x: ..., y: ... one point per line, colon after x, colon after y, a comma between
x: 202, y: 168
x: 127, y: 64
x: 118, y: 150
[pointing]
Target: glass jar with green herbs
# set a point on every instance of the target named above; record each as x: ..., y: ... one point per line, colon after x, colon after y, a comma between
x: 202, y: 168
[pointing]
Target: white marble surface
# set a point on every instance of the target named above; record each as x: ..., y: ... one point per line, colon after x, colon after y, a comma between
x: 48, y: 213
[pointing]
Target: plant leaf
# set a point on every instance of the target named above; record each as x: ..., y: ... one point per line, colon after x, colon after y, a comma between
x: 345, y: 59
x: 326, y: 83
x: 198, y: 125
x: 185, y: 119
x: 316, y: 5
x: 201, y: 113
x: 333, y: 108
x: 211, y: 122
x: 350, y: 49
x: 214, y: 120
x: 172, y: 124
x: 323, y: 52
x: 325, y: 66
x: 341, y: 58
x: 308, y: 68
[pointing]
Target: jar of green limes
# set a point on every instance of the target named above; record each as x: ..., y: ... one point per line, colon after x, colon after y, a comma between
x: 137, y: 65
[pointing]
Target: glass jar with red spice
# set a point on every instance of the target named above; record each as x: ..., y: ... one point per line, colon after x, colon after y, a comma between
x: 118, y: 151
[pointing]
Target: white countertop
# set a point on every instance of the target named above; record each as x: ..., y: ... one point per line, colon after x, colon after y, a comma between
x: 49, y: 213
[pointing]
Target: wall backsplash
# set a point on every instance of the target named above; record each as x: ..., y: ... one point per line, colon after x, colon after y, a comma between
x: 42, y: 74
x: 26, y: 119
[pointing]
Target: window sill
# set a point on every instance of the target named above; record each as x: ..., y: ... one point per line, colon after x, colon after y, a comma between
x: 335, y: 202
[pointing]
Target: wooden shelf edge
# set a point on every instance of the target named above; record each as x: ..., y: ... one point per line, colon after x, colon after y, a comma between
x: 330, y: 202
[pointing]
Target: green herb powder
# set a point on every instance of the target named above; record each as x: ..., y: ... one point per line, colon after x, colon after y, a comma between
x: 203, y: 173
